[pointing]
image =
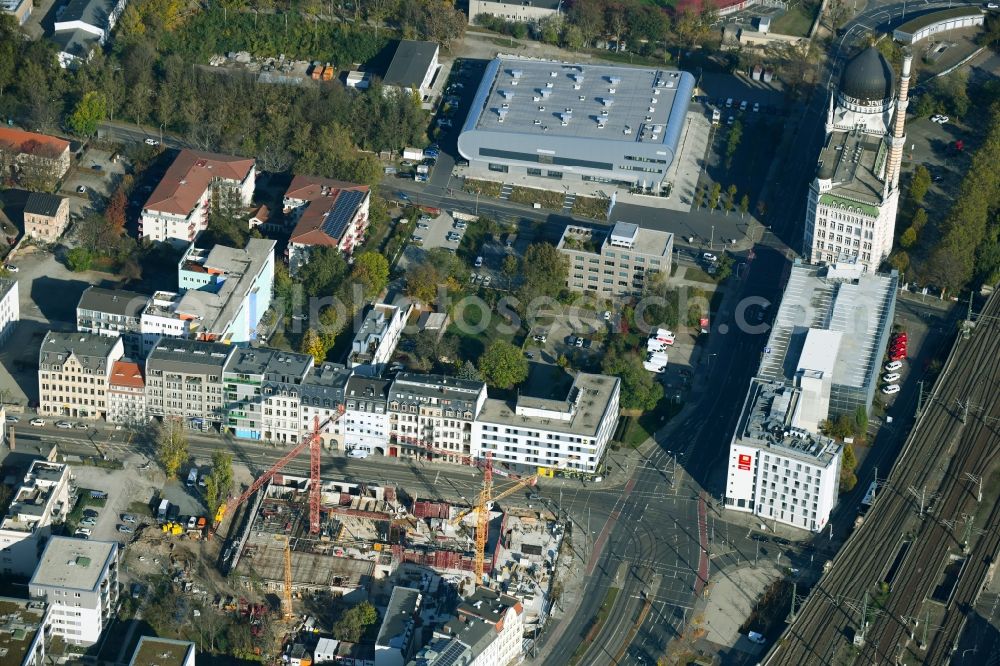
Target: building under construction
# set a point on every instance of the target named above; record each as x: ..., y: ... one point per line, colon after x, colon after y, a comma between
x: 367, y: 532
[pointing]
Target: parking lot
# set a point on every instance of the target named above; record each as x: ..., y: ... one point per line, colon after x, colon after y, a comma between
x: 97, y: 174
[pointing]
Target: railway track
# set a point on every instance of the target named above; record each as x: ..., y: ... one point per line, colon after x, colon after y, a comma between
x: 935, y: 456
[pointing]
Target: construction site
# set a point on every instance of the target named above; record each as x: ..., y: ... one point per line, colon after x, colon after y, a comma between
x: 372, y: 538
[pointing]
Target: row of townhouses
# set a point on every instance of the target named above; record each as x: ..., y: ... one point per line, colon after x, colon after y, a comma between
x: 277, y: 396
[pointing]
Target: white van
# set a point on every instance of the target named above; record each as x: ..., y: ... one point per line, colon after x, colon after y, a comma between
x: 359, y: 453
x: 479, y: 262
x: 192, y: 477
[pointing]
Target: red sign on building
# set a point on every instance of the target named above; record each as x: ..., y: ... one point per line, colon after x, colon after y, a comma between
x: 744, y: 462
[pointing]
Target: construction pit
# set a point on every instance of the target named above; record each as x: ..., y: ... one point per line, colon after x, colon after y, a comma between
x: 372, y: 538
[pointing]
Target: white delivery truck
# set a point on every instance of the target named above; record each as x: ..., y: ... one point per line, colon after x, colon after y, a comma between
x: 415, y: 154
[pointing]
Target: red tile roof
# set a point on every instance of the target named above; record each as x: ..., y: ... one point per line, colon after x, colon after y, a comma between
x: 31, y: 143
x: 322, y: 195
x: 126, y: 374
x: 189, y: 176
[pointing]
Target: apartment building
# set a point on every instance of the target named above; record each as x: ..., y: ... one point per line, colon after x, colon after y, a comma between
x: 113, y: 312
x: 40, y: 501
x: 46, y: 216
x: 25, y: 631
x: 256, y: 382
x: 177, y: 210
x: 321, y: 399
x: 487, y: 630
x: 19, y: 9
x: 375, y: 341
x: 397, y: 634
x: 326, y: 213
x: 73, y: 373
x: 556, y: 422
x: 432, y: 416
x: 78, y: 579
x: 615, y: 263
x: 34, y: 157
x: 153, y: 651
x: 184, y: 380
x: 778, y: 468
x: 10, y: 307
x: 127, y: 394
x: 366, y: 417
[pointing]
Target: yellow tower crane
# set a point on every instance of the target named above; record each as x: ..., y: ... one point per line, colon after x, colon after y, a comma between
x: 482, y: 511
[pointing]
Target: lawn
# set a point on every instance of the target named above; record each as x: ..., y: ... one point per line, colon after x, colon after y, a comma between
x: 531, y: 195
x: 639, y: 429
x: 486, y: 188
x: 593, y: 207
x: 470, y: 319
x: 797, y: 20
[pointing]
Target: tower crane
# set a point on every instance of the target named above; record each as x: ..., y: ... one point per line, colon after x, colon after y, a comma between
x: 313, y: 441
x: 486, y: 497
x: 286, y: 597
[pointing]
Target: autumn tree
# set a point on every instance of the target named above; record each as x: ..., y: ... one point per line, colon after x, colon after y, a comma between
x: 313, y: 345
x: 115, y: 211
x: 219, y: 481
x: 371, y: 271
x: 89, y: 112
x: 171, y: 446
x: 920, y: 183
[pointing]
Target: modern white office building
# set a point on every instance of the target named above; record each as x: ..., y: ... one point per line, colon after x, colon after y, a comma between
x: 41, y: 501
x: 556, y: 423
x: 78, y: 578
x: 616, y: 262
x: 779, y: 469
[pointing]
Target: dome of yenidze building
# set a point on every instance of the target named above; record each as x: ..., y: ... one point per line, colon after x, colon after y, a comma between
x: 868, y: 79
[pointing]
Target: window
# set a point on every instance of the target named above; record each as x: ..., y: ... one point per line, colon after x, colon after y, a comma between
x: 534, y: 171
x: 502, y: 168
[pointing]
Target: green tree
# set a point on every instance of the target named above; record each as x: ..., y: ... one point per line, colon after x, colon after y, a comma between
x: 371, y: 270
x: 724, y: 268
x: 744, y: 205
x: 713, y: 196
x: 79, y: 259
x: 699, y: 197
x: 908, y: 238
x: 919, y: 220
x: 171, y: 446
x: 324, y: 272
x: 227, y: 224
x: 733, y: 142
x: 860, y: 421
x: 422, y: 282
x: 503, y: 365
x: 544, y: 271
x: 469, y: 372
x: 920, y: 183
x: 900, y: 260
x: 730, y: 202
x: 89, y: 112
x: 639, y: 391
x: 510, y: 268
x: 353, y: 622
x: 313, y: 345
x: 219, y: 481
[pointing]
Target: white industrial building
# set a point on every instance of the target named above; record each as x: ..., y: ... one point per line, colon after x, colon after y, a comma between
x: 41, y: 500
x: 78, y: 578
x: 567, y: 428
x: 778, y: 468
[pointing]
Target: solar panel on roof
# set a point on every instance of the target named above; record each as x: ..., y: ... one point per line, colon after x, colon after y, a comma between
x: 336, y: 221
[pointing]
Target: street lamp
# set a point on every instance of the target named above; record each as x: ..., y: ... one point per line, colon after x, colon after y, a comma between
x: 161, y: 133
x: 711, y: 241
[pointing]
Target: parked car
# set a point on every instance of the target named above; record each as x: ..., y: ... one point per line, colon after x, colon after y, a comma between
x: 487, y: 280
x: 82, y: 531
x: 539, y: 337
x: 81, y: 189
x: 892, y: 366
x: 890, y: 389
x: 359, y: 453
x: 88, y: 522
x: 709, y: 257
x: 81, y: 426
x: 578, y: 342
x: 417, y: 239
x: 756, y: 638
x: 897, y: 355
x: 38, y: 423
x: 64, y: 425
x: 607, y: 315
x: 124, y: 529
x: 422, y: 225
x: 12, y: 419
x: 152, y: 142
x: 11, y: 268
x: 128, y: 518
x: 891, y: 378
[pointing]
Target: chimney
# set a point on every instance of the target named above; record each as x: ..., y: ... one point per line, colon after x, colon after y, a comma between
x: 898, y: 140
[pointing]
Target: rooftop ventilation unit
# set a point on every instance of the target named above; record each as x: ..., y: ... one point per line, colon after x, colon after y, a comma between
x: 516, y: 73
x: 578, y: 78
x: 627, y: 130
x: 546, y: 93
x: 607, y: 101
x: 614, y: 80
x: 549, y: 85
x: 581, y: 98
x: 611, y: 91
x: 553, y: 74
x: 507, y: 94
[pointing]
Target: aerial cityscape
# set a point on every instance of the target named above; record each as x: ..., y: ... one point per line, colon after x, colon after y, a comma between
x: 498, y: 332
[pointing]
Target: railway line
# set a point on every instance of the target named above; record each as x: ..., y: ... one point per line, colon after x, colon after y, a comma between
x: 918, y: 505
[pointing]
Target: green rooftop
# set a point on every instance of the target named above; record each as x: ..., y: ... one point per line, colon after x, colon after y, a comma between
x: 930, y: 18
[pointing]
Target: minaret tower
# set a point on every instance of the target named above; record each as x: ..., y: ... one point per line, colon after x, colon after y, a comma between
x: 898, y: 139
